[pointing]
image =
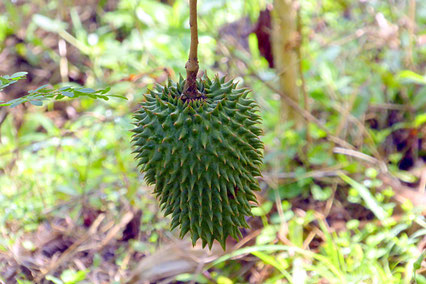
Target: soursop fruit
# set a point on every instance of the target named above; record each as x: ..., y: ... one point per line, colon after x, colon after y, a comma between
x: 203, y: 155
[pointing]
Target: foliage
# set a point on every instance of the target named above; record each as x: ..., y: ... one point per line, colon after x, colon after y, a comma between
x: 7, y: 80
x: 42, y: 93
x: 352, y: 256
x: 68, y: 277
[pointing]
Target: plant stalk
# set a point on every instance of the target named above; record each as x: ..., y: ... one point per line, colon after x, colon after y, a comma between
x: 190, y: 90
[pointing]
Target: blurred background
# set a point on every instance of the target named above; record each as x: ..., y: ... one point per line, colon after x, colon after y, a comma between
x: 342, y: 92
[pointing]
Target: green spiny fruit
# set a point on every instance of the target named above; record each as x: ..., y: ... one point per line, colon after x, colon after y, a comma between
x: 202, y: 155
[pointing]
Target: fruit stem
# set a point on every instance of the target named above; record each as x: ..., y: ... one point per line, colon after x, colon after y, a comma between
x: 190, y: 90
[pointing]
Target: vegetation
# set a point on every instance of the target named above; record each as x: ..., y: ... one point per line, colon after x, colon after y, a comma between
x: 342, y: 195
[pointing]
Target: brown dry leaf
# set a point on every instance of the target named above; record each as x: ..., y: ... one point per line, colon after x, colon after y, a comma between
x: 403, y: 193
x: 132, y: 229
x: 387, y: 33
x: 35, y: 251
x: 263, y: 30
x: 174, y: 259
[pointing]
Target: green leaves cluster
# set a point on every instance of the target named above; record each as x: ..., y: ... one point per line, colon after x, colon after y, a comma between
x: 8, y: 80
x: 38, y: 96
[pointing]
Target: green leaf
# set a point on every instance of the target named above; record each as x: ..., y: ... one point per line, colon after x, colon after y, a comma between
x: 68, y: 94
x: 48, y: 24
x: 67, y: 190
x: 38, y: 89
x: 7, y: 81
x: 263, y: 209
x: 366, y: 195
x: 291, y: 190
x: 408, y: 76
x: 18, y: 75
x: 319, y: 193
x: 267, y: 235
x: 70, y: 276
x: 104, y: 91
x: 419, y: 260
x: 15, y: 103
x: 86, y: 90
x: 117, y: 96
x: 271, y: 260
x: 420, y: 120
x: 36, y: 103
x: 54, y: 279
x: 224, y: 280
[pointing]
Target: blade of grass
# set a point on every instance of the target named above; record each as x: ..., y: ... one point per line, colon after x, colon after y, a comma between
x: 332, y: 250
x: 366, y: 195
x: 273, y: 262
x: 275, y: 248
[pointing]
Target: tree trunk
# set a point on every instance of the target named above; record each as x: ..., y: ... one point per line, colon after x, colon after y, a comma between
x: 285, y: 41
